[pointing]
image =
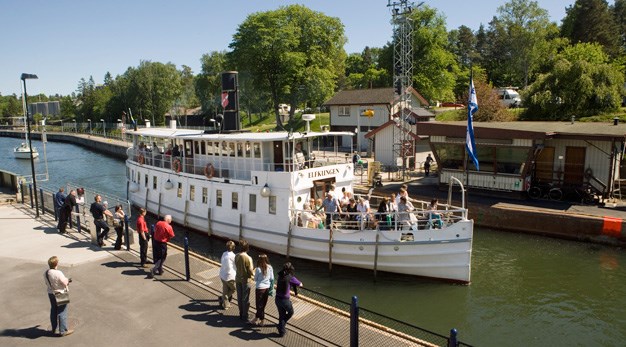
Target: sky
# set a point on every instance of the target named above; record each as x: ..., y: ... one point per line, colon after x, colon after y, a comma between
x: 63, y: 41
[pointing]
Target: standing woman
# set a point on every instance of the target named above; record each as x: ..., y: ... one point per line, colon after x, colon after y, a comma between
x: 57, y: 282
x: 264, y: 278
x: 285, y: 281
x: 118, y: 225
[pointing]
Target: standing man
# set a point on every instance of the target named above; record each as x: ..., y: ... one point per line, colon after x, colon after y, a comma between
x: 163, y: 233
x: 98, y: 211
x: 331, y: 207
x: 59, y: 200
x: 65, y: 212
x: 355, y: 159
x: 427, y: 163
x: 142, y: 231
x: 227, y: 275
x: 244, y: 279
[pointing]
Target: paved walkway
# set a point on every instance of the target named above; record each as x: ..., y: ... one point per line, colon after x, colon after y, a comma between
x: 112, y: 302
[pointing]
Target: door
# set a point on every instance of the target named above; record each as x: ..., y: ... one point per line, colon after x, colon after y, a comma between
x: 574, y: 166
x: 321, y: 187
x: 278, y: 155
x: 544, y: 165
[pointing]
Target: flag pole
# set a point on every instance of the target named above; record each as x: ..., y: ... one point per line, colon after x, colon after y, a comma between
x: 470, y: 142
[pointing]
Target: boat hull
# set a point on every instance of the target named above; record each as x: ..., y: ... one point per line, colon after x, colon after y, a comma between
x: 25, y: 154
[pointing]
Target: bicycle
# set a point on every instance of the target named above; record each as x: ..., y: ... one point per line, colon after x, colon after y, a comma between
x: 547, y: 190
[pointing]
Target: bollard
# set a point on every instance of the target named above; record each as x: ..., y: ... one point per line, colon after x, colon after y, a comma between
x: 30, y: 193
x: 126, y: 235
x: 452, y: 342
x: 56, y: 208
x: 43, y: 209
x: 354, y: 322
x: 187, y: 258
x: 22, y: 192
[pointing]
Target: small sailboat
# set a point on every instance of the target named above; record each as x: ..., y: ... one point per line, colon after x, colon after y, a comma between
x: 23, y: 151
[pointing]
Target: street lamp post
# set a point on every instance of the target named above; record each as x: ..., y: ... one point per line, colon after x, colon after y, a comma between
x: 89, y: 120
x: 119, y: 126
x: 26, y: 76
x: 75, y: 126
x: 104, y: 130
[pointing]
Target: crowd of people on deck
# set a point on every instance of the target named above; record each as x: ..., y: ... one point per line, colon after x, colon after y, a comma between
x: 351, y: 212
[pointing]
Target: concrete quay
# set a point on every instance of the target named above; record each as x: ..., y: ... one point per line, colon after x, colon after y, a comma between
x: 114, y: 303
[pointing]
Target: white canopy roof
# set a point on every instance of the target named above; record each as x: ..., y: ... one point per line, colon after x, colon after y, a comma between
x: 242, y: 136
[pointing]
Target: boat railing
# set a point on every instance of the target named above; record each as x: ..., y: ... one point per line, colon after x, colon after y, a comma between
x: 355, y: 221
x: 218, y: 167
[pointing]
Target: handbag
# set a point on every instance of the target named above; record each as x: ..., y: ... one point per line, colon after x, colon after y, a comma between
x: 61, y: 298
x: 116, y: 222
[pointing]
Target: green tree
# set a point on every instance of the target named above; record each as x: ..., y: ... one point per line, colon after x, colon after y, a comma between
x: 208, y: 84
x: 294, y: 53
x: 591, y: 21
x: 188, y: 98
x: 580, y: 83
x: 521, y: 36
x: 364, y: 71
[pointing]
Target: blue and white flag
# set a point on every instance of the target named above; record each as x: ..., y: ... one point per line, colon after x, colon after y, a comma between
x: 472, y: 107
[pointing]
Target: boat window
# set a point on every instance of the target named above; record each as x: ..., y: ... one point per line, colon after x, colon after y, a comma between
x: 205, y: 193
x: 145, y: 180
x: 180, y: 190
x: 247, y: 150
x: 218, y: 197
x: 257, y: 149
x: 252, y: 207
x: 138, y: 177
x: 272, y: 204
x: 216, y: 148
x: 154, y: 182
x: 202, y: 148
x: 231, y: 149
x: 209, y: 147
x: 224, y: 149
x: 239, y: 149
x: 235, y: 201
x: 196, y: 147
x: 192, y: 193
x: 132, y: 175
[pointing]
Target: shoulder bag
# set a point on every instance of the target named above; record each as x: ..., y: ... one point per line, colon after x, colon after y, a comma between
x: 62, y: 298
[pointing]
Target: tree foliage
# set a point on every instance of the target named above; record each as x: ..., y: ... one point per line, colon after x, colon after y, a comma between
x: 591, y: 21
x: 294, y: 53
x: 208, y: 83
x: 580, y: 83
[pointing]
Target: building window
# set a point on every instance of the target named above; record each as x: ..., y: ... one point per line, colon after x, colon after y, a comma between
x: 252, y: 206
x: 451, y: 156
x: 154, y: 182
x: 235, y: 201
x: 192, y: 193
x: 218, y: 197
x: 205, y: 195
x: 145, y: 180
x: 272, y: 204
x: 180, y: 190
x: 344, y: 111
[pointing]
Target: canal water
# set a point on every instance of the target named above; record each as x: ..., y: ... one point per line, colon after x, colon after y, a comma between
x: 526, y: 290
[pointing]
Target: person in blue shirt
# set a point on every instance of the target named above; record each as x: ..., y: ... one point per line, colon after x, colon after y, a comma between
x: 59, y: 200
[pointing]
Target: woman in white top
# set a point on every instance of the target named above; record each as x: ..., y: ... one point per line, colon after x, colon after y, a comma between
x: 264, y: 278
x: 405, y: 217
x: 57, y: 283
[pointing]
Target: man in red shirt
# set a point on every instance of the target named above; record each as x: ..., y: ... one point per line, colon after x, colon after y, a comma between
x: 142, y: 231
x: 163, y: 233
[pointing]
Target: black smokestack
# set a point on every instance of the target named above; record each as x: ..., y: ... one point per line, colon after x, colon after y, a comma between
x: 230, y: 100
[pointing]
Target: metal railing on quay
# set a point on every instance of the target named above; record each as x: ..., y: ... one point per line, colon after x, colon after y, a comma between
x: 377, y: 320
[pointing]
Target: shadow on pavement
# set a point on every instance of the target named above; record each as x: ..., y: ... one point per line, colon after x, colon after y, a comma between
x: 29, y: 333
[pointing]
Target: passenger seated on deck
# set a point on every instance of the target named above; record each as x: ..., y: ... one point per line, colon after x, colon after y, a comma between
x: 309, y: 220
x: 434, y: 218
x: 351, y: 210
x: 384, y: 213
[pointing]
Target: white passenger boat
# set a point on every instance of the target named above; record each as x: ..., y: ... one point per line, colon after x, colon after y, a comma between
x: 254, y: 185
x: 23, y: 151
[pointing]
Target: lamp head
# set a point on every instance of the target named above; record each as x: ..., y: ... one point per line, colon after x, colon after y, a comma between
x: 266, y: 191
x: 29, y: 76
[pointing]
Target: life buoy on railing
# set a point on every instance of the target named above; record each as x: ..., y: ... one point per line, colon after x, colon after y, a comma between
x: 209, y: 170
x: 141, y: 160
x: 176, y: 165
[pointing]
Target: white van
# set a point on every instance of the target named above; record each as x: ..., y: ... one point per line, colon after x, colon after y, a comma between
x: 509, y: 97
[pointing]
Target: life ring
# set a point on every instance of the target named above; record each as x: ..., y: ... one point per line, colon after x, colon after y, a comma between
x: 141, y: 159
x: 209, y: 170
x: 176, y: 165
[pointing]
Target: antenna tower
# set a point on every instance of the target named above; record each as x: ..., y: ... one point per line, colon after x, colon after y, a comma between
x: 402, y: 77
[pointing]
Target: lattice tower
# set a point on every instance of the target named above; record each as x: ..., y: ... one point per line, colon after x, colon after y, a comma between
x: 402, y: 78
